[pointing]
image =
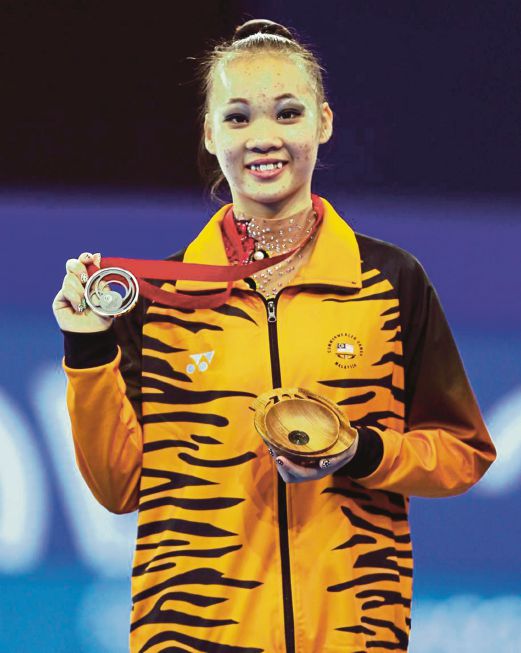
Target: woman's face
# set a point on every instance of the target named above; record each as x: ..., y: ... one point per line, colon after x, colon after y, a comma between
x: 264, y: 125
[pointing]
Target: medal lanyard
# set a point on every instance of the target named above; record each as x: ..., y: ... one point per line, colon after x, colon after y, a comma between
x: 113, y: 269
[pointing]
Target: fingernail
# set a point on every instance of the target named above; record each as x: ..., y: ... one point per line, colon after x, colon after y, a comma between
x: 84, y: 277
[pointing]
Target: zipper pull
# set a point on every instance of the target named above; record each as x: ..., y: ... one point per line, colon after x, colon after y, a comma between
x: 272, y: 314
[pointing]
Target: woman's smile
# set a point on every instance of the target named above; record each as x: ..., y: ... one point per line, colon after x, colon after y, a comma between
x: 266, y: 168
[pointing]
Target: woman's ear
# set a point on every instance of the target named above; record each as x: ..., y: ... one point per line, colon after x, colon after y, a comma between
x: 326, y: 123
x: 208, y: 142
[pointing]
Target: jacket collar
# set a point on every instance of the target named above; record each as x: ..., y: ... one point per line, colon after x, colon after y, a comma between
x: 335, y: 258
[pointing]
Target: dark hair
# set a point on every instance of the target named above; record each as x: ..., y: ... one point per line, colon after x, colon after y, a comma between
x: 258, y: 35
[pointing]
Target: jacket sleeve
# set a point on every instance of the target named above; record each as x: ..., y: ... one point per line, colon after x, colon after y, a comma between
x: 103, y: 399
x: 446, y: 447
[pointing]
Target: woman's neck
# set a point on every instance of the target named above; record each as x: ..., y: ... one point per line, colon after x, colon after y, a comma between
x: 285, y: 209
x: 281, y: 233
x: 276, y: 220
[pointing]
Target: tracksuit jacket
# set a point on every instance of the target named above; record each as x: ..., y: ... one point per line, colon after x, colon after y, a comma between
x: 228, y: 558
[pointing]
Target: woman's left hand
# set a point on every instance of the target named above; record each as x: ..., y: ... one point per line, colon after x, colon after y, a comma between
x: 293, y: 473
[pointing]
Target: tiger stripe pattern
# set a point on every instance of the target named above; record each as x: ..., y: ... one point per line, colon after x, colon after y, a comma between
x: 207, y: 570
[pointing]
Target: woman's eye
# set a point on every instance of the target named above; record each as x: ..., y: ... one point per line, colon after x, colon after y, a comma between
x: 289, y: 114
x: 236, y: 118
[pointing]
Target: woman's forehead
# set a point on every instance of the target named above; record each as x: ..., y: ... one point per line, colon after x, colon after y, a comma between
x: 260, y: 76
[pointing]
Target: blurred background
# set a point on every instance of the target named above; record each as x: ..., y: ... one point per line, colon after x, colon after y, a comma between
x: 98, y: 152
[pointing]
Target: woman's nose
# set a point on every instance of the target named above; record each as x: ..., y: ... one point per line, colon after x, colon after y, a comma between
x: 263, y: 146
x: 263, y: 140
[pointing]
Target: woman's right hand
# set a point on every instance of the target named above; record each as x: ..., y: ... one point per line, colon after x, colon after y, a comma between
x: 67, y: 305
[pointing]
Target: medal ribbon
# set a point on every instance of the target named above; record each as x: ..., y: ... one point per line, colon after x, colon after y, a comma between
x: 236, y: 249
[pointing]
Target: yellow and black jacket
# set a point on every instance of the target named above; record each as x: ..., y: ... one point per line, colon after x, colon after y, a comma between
x: 228, y: 558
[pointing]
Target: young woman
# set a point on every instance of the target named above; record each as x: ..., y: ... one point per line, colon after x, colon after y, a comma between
x: 235, y: 553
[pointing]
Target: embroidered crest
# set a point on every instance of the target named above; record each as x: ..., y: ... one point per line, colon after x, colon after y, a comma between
x: 346, y: 349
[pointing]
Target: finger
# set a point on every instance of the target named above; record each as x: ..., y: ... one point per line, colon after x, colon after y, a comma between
x: 297, y: 471
x: 76, y: 267
x: 73, y: 283
x: 290, y: 472
x: 73, y: 292
x: 85, y: 257
x: 286, y: 477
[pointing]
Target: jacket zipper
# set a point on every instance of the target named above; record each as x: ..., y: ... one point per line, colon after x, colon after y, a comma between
x: 289, y: 624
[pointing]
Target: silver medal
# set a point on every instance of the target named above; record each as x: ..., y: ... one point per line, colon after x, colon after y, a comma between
x: 111, y: 292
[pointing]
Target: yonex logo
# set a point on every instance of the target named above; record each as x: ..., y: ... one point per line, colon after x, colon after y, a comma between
x: 201, y: 362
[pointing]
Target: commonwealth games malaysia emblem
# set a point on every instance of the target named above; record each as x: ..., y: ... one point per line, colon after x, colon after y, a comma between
x: 346, y: 349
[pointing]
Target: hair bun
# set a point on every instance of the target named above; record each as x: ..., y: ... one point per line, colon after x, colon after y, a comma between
x: 262, y: 26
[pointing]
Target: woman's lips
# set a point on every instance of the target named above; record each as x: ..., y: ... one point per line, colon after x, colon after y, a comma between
x: 266, y: 174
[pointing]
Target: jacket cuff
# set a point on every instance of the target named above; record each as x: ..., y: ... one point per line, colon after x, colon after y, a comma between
x: 84, y: 350
x: 368, y: 455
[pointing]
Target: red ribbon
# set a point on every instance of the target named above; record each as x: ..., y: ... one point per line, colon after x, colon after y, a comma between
x: 236, y: 247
